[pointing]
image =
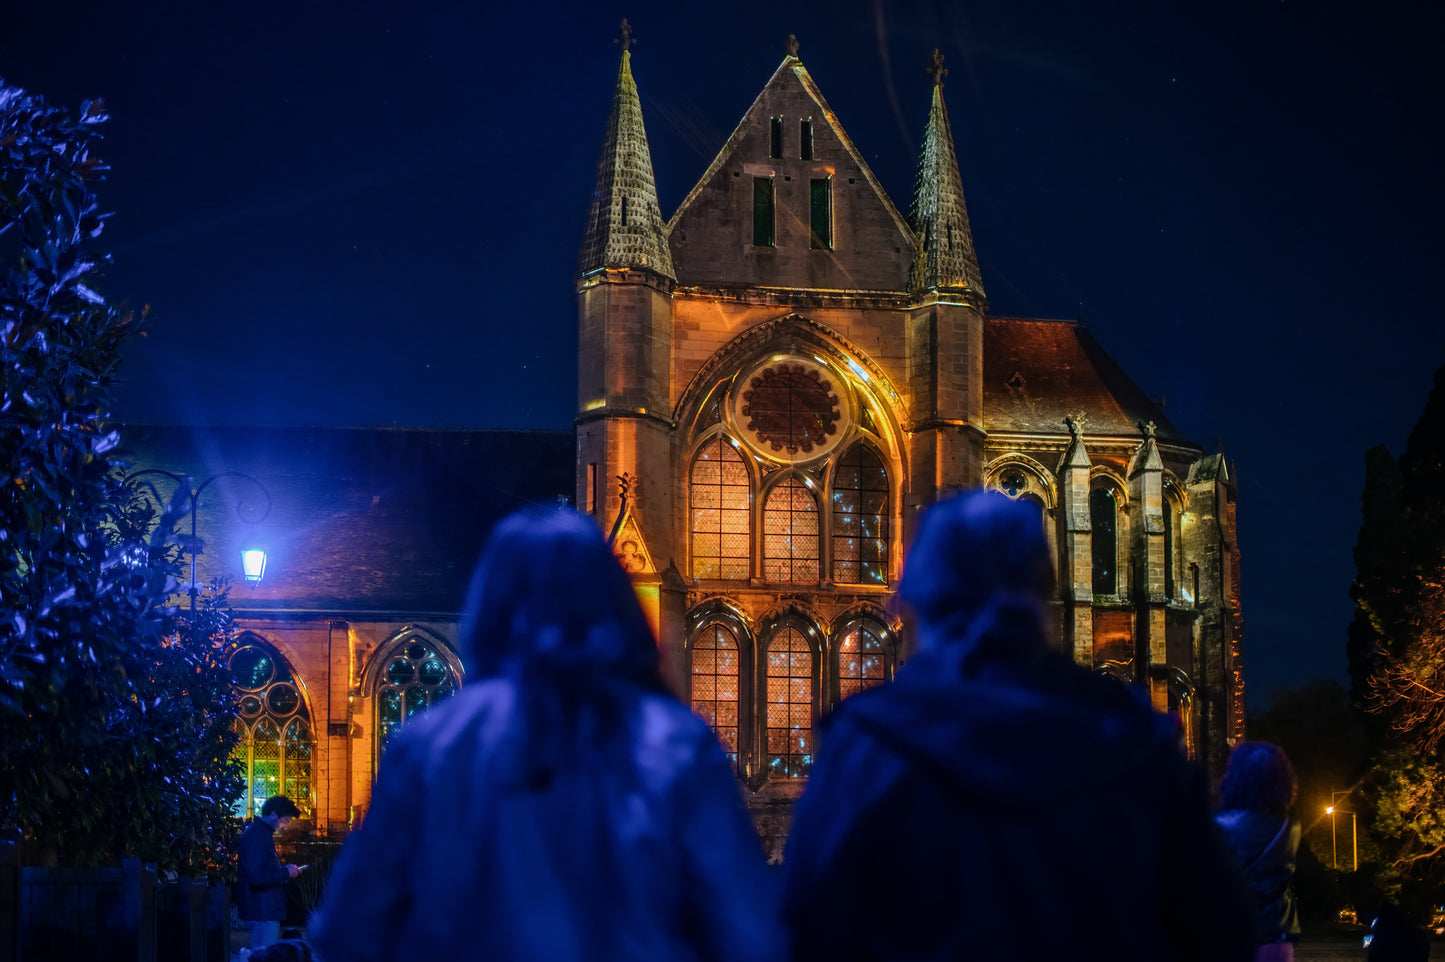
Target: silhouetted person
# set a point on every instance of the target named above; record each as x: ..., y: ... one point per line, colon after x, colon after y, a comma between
x: 564, y: 805
x: 1255, y: 796
x: 260, y: 876
x: 997, y: 801
x: 1395, y: 938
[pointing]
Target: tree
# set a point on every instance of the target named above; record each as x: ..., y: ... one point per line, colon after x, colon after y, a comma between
x: 108, y: 699
x: 1397, y: 642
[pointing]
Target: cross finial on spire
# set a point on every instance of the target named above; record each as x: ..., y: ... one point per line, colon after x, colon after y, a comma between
x: 625, y: 36
x: 791, y: 46
x: 936, y: 67
x: 1076, y: 425
x: 1148, y: 428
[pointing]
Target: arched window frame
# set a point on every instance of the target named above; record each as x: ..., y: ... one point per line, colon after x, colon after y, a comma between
x: 374, y: 677
x: 296, y: 761
x: 753, y: 539
x: 1182, y: 705
x: 719, y: 613
x: 1103, y: 479
x: 866, y: 443
x: 813, y: 638
x: 779, y: 480
x: 868, y: 619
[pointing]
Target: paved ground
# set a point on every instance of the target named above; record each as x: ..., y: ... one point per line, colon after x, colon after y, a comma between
x: 1329, y: 950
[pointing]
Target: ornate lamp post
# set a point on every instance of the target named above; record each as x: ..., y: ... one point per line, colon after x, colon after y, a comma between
x: 253, y: 560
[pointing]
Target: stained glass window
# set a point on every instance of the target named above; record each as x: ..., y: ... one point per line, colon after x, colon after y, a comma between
x: 790, y: 705
x: 1104, y: 525
x: 862, y: 661
x: 790, y: 534
x: 860, y: 519
x: 416, y: 677
x: 715, y: 683
x: 718, y: 492
x: 276, y: 743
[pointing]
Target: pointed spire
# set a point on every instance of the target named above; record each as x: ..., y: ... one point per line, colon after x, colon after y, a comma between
x: 939, y: 218
x: 625, y: 226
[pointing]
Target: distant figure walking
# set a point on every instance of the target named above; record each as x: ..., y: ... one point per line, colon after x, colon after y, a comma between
x: 998, y: 801
x: 1255, y: 796
x: 564, y: 806
x: 260, y: 876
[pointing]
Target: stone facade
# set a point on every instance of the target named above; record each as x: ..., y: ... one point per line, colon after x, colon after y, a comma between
x: 803, y: 335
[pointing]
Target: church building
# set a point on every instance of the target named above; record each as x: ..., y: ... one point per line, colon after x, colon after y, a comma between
x: 777, y: 380
x: 772, y: 385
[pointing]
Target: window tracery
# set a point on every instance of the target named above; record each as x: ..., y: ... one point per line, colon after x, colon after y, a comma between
x: 415, y: 678
x: 862, y: 661
x: 276, y: 745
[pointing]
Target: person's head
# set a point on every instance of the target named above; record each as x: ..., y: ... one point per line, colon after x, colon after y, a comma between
x: 549, y: 595
x: 978, y: 575
x: 279, y: 810
x: 1258, y: 777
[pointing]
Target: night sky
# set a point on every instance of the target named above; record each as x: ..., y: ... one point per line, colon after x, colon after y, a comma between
x: 369, y: 214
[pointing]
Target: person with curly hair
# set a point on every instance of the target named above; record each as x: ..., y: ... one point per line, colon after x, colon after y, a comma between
x: 1255, y: 796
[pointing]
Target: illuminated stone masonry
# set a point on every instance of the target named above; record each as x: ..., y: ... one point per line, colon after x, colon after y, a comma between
x: 810, y: 370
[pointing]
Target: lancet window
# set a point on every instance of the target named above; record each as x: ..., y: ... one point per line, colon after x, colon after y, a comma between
x: 718, y: 495
x: 789, y: 713
x: 862, y: 660
x: 860, y: 519
x: 1104, y: 527
x: 715, y: 677
x: 790, y: 534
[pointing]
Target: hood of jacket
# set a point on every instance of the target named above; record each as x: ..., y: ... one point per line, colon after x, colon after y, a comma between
x: 1014, y: 733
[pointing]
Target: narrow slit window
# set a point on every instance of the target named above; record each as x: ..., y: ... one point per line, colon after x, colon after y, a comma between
x: 821, y: 222
x: 805, y: 140
x: 777, y: 138
x: 763, y: 216
x: 1103, y: 524
x: 624, y: 212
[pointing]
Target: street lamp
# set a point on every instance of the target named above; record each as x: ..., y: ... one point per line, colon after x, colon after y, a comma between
x: 1354, y: 832
x: 253, y: 560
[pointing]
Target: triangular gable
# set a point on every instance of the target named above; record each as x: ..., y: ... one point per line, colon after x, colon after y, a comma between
x: 631, y: 549
x: 711, y: 233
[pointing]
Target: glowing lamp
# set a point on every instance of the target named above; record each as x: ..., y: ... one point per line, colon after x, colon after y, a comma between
x: 253, y: 563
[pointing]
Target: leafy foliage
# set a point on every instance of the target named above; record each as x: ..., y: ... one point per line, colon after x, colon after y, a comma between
x: 113, y: 709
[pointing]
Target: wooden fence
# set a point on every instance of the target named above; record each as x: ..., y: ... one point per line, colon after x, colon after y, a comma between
x: 116, y: 914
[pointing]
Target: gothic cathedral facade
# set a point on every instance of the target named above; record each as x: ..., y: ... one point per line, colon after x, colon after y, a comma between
x: 776, y: 381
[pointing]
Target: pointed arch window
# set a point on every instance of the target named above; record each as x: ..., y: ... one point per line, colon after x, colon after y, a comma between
x: 1170, y: 519
x: 863, y: 660
x: 790, y: 534
x: 1104, y: 535
x: 789, y: 715
x: 715, y: 679
x: 416, y: 677
x: 276, y: 744
x: 860, y: 519
x: 718, y: 495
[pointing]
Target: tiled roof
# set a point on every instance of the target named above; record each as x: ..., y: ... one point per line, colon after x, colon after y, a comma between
x: 1035, y: 373
x: 362, y: 519
x: 624, y: 226
x: 945, y: 255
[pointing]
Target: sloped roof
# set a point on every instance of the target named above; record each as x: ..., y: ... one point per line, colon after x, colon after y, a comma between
x: 362, y: 519
x: 624, y: 226
x: 1037, y: 372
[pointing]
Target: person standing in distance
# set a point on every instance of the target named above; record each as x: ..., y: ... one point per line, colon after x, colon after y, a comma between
x: 998, y: 801
x: 260, y: 877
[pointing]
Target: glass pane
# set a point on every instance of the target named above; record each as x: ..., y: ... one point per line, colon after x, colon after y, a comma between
x: 253, y: 668
x: 789, y: 718
x: 790, y: 534
x: 718, y: 512
x: 860, y: 507
x: 715, y: 683
x: 400, y: 671
x: 283, y: 699
x: 433, y: 672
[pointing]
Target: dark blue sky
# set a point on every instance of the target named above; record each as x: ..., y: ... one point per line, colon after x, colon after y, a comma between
x: 369, y: 213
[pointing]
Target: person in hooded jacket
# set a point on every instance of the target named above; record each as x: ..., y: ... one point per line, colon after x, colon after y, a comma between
x: 1255, y: 796
x: 996, y: 801
x: 563, y: 805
